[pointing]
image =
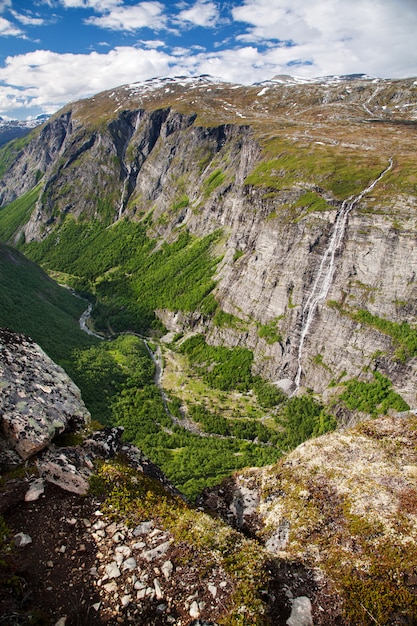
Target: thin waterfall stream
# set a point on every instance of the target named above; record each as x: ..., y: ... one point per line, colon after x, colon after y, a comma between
x: 326, y: 269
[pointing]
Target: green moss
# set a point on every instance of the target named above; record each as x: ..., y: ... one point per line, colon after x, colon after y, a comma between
x: 15, y: 215
x: 311, y: 201
x: 342, y: 172
x: 181, y: 203
x: 215, y: 179
x: 270, y: 332
x: 221, y: 319
x: 237, y: 255
x: 318, y: 360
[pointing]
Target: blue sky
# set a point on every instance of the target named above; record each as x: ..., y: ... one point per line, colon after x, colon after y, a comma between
x: 55, y: 51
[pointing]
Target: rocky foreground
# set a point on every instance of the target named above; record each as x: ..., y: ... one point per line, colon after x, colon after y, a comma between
x: 93, y: 533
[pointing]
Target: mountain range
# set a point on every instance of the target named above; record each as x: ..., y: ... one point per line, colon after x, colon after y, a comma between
x: 248, y: 254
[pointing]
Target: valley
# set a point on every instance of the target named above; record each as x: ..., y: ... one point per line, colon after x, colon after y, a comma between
x: 245, y: 264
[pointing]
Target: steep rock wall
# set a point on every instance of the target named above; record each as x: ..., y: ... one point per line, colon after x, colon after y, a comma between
x: 162, y: 163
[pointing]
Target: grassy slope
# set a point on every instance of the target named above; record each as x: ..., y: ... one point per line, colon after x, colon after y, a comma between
x: 33, y: 304
x: 17, y: 213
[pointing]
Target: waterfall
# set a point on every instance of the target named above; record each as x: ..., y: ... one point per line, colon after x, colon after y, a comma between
x: 326, y: 270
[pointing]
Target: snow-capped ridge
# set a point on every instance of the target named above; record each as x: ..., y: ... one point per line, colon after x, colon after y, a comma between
x: 153, y: 84
x: 286, y: 79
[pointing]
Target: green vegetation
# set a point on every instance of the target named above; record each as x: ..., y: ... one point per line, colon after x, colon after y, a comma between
x: 17, y: 213
x: 222, y: 368
x: 181, y: 203
x: 270, y: 332
x: 374, y: 397
x: 33, y: 304
x: 303, y: 418
x: 237, y: 255
x: 221, y: 318
x: 213, y: 181
x: 344, y: 173
x: 403, y: 335
x: 131, y: 496
x: 130, y: 278
x: 311, y: 201
x: 117, y: 383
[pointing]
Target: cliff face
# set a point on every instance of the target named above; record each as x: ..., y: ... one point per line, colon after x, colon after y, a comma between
x: 271, y: 166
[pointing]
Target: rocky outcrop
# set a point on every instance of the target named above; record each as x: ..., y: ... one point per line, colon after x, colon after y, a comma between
x: 38, y: 400
x: 343, y: 503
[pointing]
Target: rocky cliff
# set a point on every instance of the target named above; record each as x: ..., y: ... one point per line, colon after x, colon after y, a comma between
x: 270, y: 165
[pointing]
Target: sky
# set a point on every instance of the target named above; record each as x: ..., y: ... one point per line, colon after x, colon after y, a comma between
x: 55, y: 51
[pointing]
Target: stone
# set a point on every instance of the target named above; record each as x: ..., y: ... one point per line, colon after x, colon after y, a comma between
x: 156, y: 553
x: 167, y: 569
x: 300, y: 612
x: 194, y: 609
x: 36, y: 489
x: 38, y: 401
x: 129, y: 564
x: 112, y: 570
x: 21, y: 540
x: 212, y: 589
x: 279, y: 540
x: 123, y: 550
x: 139, y: 585
x: 125, y: 601
x: 67, y: 469
x: 158, y: 589
x: 110, y: 587
x: 143, y: 529
x: 245, y: 503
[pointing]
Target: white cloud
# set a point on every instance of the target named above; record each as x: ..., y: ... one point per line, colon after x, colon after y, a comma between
x: 203, y: 13
x: 372, y: 36
x: 327, y: 37
x: 153, y: 43
x: 46, y: 80
x: 8, y: 29
x: 5, y: 4
x: 98, y: 5
x: 129, y: 18
x: 28, y: 20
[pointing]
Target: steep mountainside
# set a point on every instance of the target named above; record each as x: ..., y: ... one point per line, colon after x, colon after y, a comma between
x: 268, y: 168
x: 228, y: 236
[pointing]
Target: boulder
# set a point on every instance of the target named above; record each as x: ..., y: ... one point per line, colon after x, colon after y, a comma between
x: 38, y: 400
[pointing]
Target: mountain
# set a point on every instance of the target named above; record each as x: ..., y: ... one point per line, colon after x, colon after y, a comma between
x: 267, y: 169
x: 12, y: 129
x: 250, y: 254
